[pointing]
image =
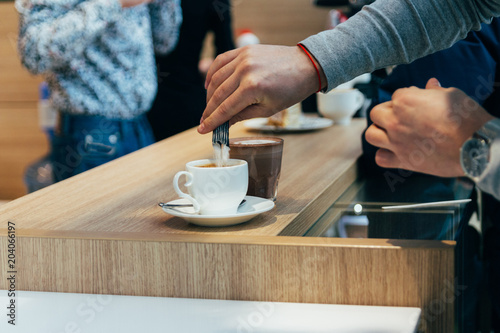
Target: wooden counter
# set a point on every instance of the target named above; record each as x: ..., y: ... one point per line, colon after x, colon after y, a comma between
x: 122, y: 196
x: 102, y: 232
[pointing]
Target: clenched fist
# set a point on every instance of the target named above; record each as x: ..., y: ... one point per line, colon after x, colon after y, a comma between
x: 423, y: 129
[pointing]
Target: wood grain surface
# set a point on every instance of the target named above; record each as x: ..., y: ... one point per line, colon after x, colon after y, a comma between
x: 21, y: 140
x: 122, y: 195
x: 16, y: 83
x: 282, y: 269
x: 102, y: 232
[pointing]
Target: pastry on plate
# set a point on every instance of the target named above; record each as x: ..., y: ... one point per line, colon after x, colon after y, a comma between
x: 289, y: 117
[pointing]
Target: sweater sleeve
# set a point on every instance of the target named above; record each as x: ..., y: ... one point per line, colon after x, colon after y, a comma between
x: 50, y: 34
x: 166, y: 19
x: 390, y: 32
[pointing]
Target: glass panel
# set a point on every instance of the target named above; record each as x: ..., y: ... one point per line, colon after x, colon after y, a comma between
x: 358, y: 212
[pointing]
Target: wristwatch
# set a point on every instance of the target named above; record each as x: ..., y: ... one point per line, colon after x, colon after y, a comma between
x: 475, y: 152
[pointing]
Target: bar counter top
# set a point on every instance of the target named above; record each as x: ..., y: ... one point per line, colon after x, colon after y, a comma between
x: 119, y: 199
x: 102, y: 232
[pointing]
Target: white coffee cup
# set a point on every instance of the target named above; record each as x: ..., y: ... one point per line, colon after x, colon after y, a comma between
x: 340, y: 104
x: 363, y: 78
x: 214, y: 190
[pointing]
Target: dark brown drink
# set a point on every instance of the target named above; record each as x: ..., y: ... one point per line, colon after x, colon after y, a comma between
x: 263, y: 155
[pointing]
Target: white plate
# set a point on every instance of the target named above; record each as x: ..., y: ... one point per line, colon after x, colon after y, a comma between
x: 307, y: 123
x: 251, y: 208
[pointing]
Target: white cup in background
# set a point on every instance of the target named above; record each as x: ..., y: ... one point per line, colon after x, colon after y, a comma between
x: 363, y: 78
x: 340, y: 104
x: 214, y: 190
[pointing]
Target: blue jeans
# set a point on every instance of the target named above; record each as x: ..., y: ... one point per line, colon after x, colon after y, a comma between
x: 84, y: 142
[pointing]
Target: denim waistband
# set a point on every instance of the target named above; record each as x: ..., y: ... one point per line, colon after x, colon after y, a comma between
x: 70, y: 122
x: 83, y: 142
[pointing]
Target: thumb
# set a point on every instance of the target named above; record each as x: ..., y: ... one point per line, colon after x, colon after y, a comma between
x: 433, y: 83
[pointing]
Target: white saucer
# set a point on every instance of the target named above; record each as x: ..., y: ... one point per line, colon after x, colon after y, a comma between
x: 251, y: 208
x: 307, y: 123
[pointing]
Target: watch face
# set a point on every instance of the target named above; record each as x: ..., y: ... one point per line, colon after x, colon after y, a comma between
x: 475, y: 156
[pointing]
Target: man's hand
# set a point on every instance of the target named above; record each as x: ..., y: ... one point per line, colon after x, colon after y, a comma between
x: 423, y: 129
x: 132, y: 3
x: 256, y: 81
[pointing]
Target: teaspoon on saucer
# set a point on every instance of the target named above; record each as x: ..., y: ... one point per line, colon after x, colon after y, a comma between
x: 168, y: 205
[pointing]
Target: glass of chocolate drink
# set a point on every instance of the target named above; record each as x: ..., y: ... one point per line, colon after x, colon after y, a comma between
x: 263, y: 155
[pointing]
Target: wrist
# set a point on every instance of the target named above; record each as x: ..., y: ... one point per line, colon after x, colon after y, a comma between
x: 475, y: 152
x: 319, y: 75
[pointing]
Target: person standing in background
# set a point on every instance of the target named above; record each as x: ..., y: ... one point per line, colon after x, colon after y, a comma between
x: 181, y: 96
x: 98, y: 58
x: 260, y: 80
x: 479, y: 54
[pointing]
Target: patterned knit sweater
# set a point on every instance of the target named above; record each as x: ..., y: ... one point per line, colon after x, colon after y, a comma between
x: 97, y: 57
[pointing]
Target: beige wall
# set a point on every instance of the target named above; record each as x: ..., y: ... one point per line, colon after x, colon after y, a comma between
x: 284, y: 22
x: 21, y: 141
x: 280, y: 22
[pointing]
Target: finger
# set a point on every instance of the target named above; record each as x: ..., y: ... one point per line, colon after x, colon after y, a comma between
x: 232, y: 105
x: 387, y: 159
x: 377, y: 137
x: 219, y: 62
x: 219, y: 78
x: 380, y: 113
x: 433, y: 83
x: 225, y: 90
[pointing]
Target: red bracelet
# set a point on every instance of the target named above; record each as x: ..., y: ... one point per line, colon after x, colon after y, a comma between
x: 314, y: 64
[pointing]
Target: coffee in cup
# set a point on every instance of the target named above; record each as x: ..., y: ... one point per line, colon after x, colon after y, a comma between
x: 263, y: 155
x: 214, y: 190
x: 212, y: 165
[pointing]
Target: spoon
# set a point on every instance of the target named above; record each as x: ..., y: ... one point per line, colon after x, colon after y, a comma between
x: 167, y: 205
x: 429, y: 204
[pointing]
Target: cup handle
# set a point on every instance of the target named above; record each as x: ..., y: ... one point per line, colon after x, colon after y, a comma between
x: 360, y: 99
x: 189, y: 182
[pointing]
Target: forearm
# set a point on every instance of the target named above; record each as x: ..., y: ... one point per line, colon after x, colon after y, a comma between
x: 166, y: 19
x: 391, y: 32
x: 490, y: 180
x: 51, y: 36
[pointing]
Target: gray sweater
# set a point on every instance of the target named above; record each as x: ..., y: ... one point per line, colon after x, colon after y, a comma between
x: 391, y: 32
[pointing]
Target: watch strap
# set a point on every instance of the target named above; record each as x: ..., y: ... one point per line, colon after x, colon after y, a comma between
x: 489, y: 131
